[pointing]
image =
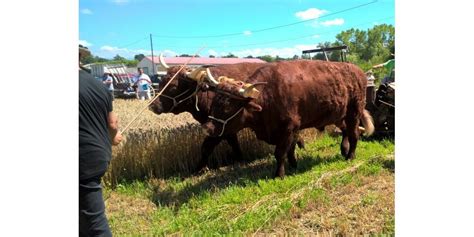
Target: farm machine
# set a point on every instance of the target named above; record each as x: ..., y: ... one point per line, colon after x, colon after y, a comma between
x: 381, y: 106
x: 124, y: 83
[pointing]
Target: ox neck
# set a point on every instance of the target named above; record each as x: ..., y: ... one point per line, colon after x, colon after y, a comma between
x: 202, y: 103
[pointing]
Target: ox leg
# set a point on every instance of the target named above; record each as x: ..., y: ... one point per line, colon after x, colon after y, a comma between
x: 292, y: 156
x: 353, y: 135
x: 345, y: 139
x: 206, y: 149
x: 281, y: 149
x: 345, y: 144
x: 234, y: 143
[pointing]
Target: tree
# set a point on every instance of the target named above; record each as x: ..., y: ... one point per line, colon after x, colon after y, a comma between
x: 267, y: 58
x: 98, y: 59
x: 250, y: 56
x: 296, y: 57
x: 230, y: 55
x: 119, y: 58
x: 88, y: 59
x: 131, y: 63
x: 367, y: 48
x: 139, y: 57
x: 212, y: 56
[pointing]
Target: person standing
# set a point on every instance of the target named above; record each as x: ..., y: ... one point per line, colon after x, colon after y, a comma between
x: 98, y: 130
x: 370, y: 91
x: 109, y: 83
x: 390, y: 66
x: 143, y: 83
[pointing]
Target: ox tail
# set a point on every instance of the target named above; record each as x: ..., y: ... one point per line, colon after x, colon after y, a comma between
x: 368, y: 123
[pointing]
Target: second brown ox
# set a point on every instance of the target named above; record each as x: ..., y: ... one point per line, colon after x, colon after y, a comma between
x: 294, y: 95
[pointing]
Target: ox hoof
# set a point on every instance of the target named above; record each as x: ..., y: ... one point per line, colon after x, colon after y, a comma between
x: 280, y: 174
x: 350, y: 156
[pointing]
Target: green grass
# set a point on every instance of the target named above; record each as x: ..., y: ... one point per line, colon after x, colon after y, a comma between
x: 243, y: 199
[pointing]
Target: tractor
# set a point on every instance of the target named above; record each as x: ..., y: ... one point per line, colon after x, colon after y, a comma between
x: 381, y: 106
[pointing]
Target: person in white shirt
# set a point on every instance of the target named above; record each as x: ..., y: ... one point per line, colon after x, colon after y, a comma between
x: 143, y: 83
x: 108, y: 82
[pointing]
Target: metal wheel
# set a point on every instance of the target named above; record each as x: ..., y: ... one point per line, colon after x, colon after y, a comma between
x: 152, y: 92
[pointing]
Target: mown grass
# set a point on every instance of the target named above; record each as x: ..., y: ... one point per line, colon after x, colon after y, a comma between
x: 325, y: 194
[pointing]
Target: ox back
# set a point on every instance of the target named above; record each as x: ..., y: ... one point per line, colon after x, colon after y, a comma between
x: 307, y: 94
x: 298, y: 95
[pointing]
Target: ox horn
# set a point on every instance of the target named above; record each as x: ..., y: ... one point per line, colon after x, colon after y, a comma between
x: 210, y: 77
x: 195, y: 73
x: 162, y: 61
x: 250, y: 88
x: 248, y: 91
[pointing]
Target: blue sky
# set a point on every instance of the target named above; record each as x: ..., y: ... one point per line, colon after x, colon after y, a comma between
x: 111, y: 27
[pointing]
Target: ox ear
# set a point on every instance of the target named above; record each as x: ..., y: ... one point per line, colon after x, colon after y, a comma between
x: 253, y: 107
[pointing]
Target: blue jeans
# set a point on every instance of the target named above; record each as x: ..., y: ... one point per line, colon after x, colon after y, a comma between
x: 92, y: 219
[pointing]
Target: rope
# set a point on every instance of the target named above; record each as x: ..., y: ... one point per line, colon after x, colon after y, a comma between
x: 164, y: 88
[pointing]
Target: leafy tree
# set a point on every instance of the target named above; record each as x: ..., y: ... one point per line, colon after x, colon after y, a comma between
x: 230, y: 55
x: 119, y: 58
x: 212, y: 56
x: 267, y: 58
x: 250, y: 56
x: 139, y: 57
x: 305, y: 56
x: 98, y: 59
x: 88, y: 59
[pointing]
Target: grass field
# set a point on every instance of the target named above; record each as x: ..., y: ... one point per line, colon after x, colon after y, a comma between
x: 325, y: 195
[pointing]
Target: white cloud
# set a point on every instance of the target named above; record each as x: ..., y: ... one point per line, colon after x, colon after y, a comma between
x: 310, y: 13
x: 85, y: 43
x: 315, y: 36
x: 169, y: 53
x: 287, y: 52
x: 212, y: 52
x: 120, y: 2
x: 335, y: 22
x: 112, y: 49
x: 86, y: 11
x: 108, y: 51
x: 247, y: 32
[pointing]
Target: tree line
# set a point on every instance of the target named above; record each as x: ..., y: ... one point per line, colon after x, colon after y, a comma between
x: 365, y: 49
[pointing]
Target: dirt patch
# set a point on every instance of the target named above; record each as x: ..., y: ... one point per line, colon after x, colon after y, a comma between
x: 364, y: 206
x: 129, y: 214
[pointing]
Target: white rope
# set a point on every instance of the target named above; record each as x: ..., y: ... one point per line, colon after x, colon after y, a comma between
x: 164, y: 88
x: 224, y: 122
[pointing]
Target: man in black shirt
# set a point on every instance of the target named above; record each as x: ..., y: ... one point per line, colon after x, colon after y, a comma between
x: 98, y: 130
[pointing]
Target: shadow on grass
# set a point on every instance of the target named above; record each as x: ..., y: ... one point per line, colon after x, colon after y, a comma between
x: 235, y: 175
x: 379, y: 137
x: 389, y: 165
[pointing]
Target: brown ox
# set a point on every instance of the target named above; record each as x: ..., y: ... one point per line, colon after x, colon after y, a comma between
x: 297, y: 95
x: 185, y: 94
